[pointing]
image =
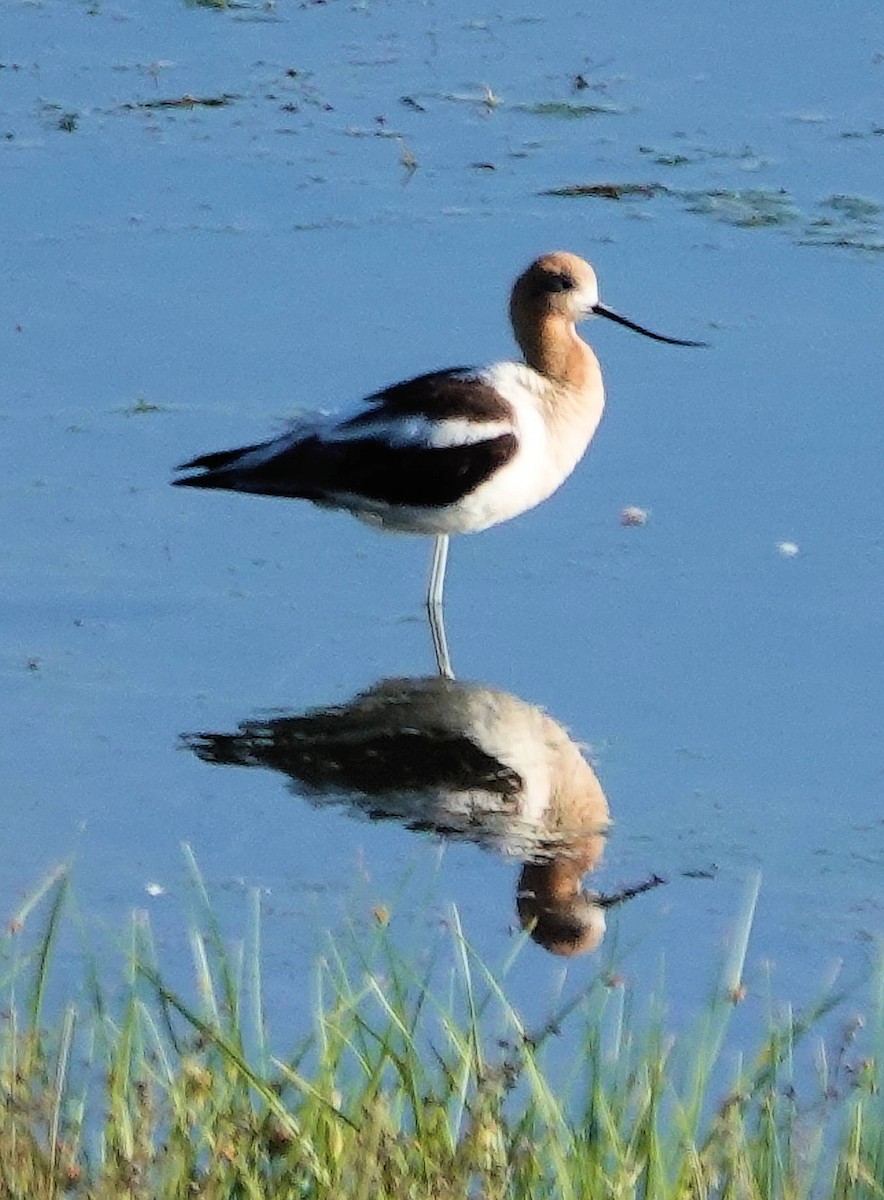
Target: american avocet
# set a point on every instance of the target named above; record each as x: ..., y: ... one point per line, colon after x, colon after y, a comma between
x: 454, y: 451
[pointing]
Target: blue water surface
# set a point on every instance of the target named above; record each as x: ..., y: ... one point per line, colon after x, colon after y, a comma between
x: 179, y: 277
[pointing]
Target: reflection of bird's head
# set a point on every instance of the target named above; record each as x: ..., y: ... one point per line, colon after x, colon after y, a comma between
x: 558, y: 914
x: 567, y: 929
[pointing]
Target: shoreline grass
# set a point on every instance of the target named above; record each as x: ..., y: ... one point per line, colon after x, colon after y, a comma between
x: 415, y: 1080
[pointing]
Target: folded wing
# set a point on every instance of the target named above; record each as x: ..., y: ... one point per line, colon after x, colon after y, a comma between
x: 427, y: 442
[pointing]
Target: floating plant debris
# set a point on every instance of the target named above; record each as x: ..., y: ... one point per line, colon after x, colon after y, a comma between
x: 851, y: 222
x: 185, y: 101
x: 608, y: 191
x: 749, y: 209
x: 853, y: 208
x: 568, y: 110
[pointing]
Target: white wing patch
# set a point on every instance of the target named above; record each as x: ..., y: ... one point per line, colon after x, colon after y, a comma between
x: 421, y: 432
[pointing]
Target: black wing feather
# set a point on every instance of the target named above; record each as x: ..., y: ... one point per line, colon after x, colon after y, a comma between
x: 409, y: 476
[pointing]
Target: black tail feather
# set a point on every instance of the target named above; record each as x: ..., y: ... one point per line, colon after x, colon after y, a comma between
x: 215, y: 479
x: 217, y: 459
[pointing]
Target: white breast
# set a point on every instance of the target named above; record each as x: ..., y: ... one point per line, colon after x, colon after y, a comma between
x: 549, y: 449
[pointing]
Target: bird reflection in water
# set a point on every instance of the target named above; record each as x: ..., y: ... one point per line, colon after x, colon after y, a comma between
x: 463, y: 761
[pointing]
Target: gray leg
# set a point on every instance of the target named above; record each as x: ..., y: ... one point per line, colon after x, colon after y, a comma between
x: 434, y: 606
x: 437, y: 572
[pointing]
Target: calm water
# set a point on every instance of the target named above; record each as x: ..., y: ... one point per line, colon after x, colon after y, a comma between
x: 179, y: 278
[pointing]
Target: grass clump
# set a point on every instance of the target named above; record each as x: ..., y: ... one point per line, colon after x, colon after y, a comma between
x: 417, y: 1079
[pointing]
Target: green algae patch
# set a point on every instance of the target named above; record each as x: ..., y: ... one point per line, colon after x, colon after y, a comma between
x: 752, y: 208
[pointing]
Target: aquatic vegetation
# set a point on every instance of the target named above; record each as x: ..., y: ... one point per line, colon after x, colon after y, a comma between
x: 417, y: 1078
x: 568, y: 110
x: 54, y: 116
x: 750, y: 209
x: 853, y: 208
x: 187, y: 101
x: 142, y: 406
x: 847, y: 221
x: 609, y: 191
x: 842, y: 220
x: 685, y: 154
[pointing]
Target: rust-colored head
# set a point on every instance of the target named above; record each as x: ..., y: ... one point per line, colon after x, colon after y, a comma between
x: 559, y: 286
x: 547, y: 301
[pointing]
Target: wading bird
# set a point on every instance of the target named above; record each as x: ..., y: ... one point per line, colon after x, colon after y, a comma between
x: 453, y: 451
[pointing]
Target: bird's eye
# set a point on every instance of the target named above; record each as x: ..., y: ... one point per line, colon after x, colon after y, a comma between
x: 561, y: 281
